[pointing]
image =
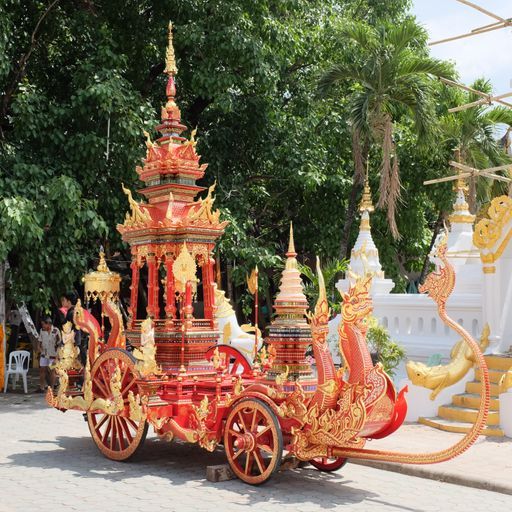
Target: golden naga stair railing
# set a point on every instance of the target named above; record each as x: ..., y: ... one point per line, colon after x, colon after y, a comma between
x: 438, y: 286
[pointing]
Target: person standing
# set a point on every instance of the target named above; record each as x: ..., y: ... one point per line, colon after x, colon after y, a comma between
x: 49, y: 340
x: 14, y: 319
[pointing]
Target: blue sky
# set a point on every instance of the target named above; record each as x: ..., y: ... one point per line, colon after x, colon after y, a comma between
x: 488, y: 55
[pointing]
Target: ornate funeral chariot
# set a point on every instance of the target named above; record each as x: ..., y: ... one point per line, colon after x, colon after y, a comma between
x: 181, y: 381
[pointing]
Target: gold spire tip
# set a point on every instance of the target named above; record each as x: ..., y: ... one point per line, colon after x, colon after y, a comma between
x: 366, y: 200
x: 291, y: 244
x: 170, y: 59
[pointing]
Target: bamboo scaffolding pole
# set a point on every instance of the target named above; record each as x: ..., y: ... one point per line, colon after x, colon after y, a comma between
x: 489, y: 99
x: 467, y: 168
x: 500, y: 23
x: 475, y: 32
x: 471, y: 172
x: 486, y: 98
x: 448, y: 178
x: 481, y: 9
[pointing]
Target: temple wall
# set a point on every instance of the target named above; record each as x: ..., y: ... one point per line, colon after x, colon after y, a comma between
x: 413, y: 322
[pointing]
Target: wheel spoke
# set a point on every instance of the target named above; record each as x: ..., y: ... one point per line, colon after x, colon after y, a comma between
x: 259, y: 461
x: 261, y: 432
x: 106, y: 382
x: 237, y: 454
x: 101, y: 423
x: 120, y: 432
x: 132, y: 423
x: 107, y: 431
x: 242, y: 421
x: 126, y: 388
x: 126, y: 429
x: 100, y: 384
x: 253, y: 423
x: 247, y: 462
x: 266, y: 448
x: 112, y: 433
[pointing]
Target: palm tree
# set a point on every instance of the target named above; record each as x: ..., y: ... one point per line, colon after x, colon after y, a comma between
x: 390, y: 73
x: 474, y: 131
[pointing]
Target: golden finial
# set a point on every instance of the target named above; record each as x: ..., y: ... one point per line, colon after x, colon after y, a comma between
x: 170, y: 60
x: 366, y: 200
x: 291, y: 244
x: 102, y: 265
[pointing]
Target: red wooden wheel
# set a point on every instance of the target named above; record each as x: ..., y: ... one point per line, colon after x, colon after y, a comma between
x: 232, y: 359
x: 253, y: 441
x: 328, y: 464
x: 116, y: 436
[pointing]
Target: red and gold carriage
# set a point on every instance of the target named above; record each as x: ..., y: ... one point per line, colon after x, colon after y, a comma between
x: 167, y: 369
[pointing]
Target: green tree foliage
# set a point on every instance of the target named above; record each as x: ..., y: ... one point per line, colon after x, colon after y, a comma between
x: 78, y: 77
x: 474, y: 132
x: 386, y: 351
x: 331, y: 270
x: 390, y: 73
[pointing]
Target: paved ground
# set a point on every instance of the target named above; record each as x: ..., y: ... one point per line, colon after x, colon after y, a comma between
x: 48, y: 463
x: 486, y: 465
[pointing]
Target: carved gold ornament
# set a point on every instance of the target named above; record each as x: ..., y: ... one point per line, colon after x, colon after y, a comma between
x: 283, y: 377
x: 489, y: 231
x: 146, y: 356
x: 238, y: 386
x: 202, y: 210
x: 68, y: 354
x: 87, y: 402
x: 184, y: 269
x: 138, y: 215
x: 205, y: 438
x: 137, y: 408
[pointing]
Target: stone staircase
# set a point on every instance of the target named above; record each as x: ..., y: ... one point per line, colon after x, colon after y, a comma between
x: 460, y: 415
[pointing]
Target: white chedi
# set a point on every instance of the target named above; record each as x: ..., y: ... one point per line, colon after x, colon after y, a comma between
x: 364, y: 259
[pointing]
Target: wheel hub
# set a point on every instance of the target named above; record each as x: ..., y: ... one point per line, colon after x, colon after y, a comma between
x: 246, y: 442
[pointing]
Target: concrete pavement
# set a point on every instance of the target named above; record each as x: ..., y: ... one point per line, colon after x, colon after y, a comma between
x: 486, y: 465
x: 48, y: 462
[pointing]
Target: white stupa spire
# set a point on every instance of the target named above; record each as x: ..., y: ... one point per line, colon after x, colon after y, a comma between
x: 364, y: 257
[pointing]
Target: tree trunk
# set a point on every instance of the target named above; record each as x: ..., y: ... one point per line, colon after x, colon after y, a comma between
x: 3, y: 341
x: 229, y: 280
x: 426, y: 262
x: 360, y: 150
x: 350, y: 215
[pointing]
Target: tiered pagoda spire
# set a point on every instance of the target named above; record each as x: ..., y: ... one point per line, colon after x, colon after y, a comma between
x: 173, y: 221
x: 291, y: 303
x: 289, y: 332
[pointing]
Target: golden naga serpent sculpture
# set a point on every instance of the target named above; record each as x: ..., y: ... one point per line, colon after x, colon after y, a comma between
x: 438, y: 285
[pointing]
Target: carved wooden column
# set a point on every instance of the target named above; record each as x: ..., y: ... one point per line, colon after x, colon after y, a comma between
x: 134, y: 291
x: 208, y: 292
x: 152, y: 308
x: 170, y: 306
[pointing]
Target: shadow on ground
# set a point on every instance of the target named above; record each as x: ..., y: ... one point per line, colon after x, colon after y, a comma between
x: 179, y: 464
